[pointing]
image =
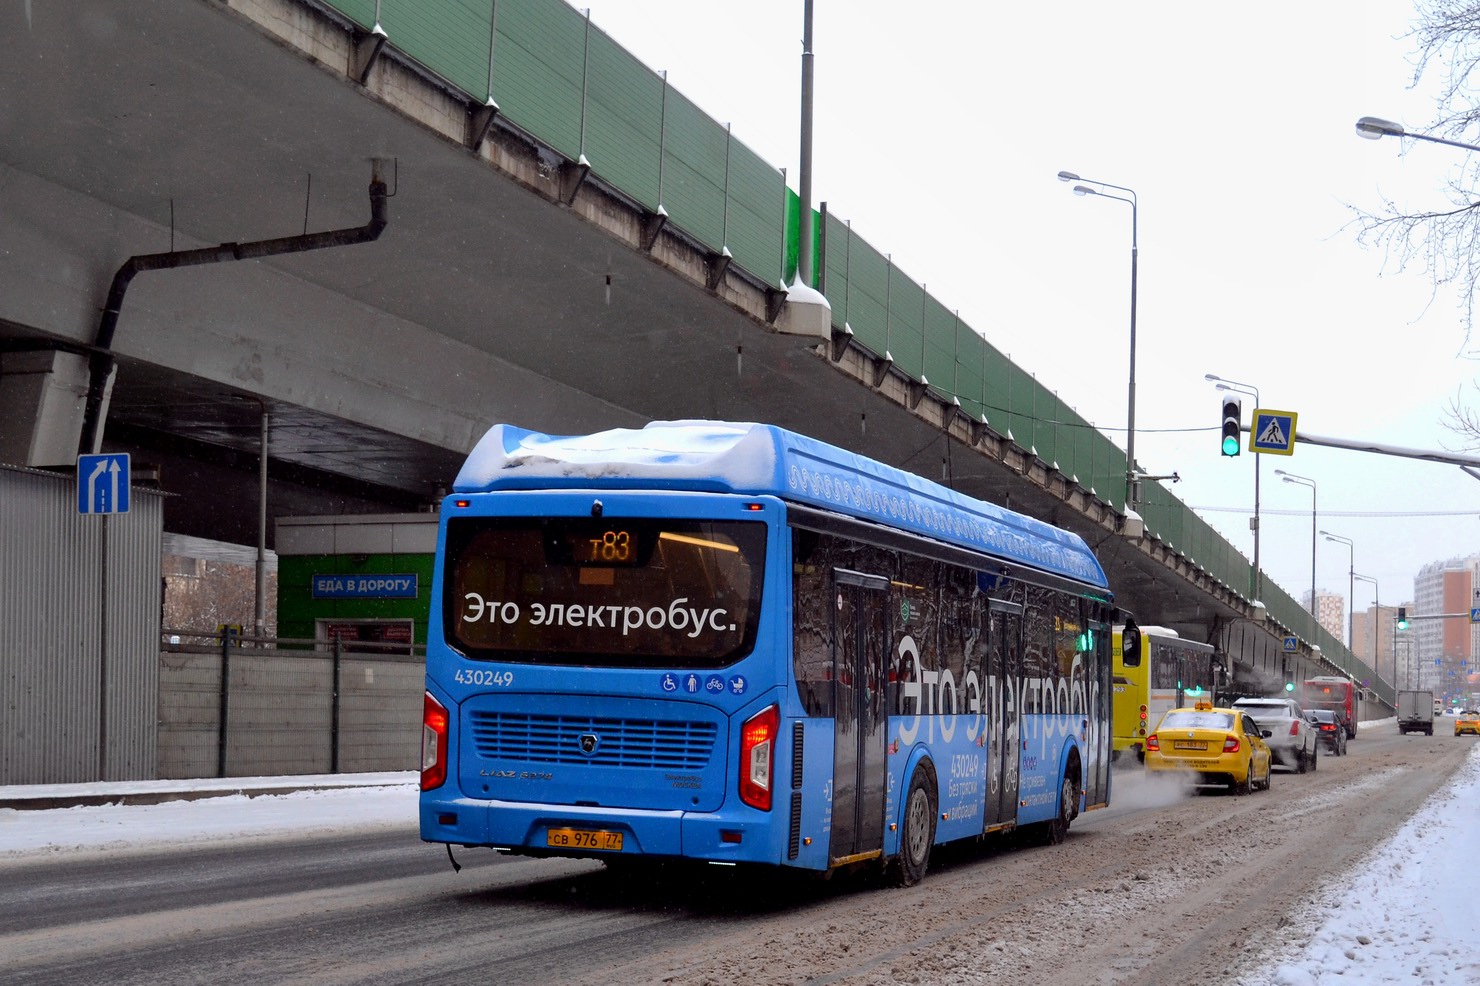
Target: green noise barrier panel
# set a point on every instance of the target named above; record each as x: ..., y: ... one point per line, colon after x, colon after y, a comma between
x: 905, y: 307
x: 623, y: 120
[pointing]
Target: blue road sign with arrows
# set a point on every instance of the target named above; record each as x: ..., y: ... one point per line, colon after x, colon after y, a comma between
x: 102, y: 483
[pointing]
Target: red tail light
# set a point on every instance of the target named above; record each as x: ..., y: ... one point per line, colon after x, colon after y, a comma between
x: 1327, y: 727
x: 1295, y: 728
x: 434, y: 720
x: 1153, y: 743
x: 757, y: 746
x: 1230, y: 744
x: 1143, y: 713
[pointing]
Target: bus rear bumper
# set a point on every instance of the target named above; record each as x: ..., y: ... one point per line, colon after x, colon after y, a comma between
x: 527, y: 828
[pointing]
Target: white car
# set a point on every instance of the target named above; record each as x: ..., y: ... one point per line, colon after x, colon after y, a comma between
x: 1292, y: 739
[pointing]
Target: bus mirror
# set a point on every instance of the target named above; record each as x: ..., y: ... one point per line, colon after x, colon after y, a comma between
x: 1130, y: 645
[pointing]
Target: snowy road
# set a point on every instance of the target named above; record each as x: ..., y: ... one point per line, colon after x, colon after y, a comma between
x: 1242, y: 890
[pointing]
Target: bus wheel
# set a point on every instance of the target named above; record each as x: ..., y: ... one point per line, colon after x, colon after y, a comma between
x: 919, y: 829
x: 1055, y: 830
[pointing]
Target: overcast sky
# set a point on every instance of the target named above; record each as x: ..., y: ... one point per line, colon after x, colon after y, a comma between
x: 941, y: 127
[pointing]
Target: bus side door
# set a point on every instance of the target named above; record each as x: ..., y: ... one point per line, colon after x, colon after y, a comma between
x: 860, y: 724
x: 1004, y: 669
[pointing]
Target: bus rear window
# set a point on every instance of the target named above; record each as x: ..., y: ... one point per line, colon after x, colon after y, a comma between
x: 602, y: 591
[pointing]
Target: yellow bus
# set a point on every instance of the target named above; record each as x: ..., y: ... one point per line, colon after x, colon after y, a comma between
x: 1154, y: 670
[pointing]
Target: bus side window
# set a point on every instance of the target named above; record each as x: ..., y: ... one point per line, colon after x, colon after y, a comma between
x: 812, y: 623
x: 1039, y: 658
x: 1164, y: 667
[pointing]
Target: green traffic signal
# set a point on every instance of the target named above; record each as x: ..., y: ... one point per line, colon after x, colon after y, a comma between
x: 1233, y: 416
x: 1402, y: 618
x: 1289, y: 686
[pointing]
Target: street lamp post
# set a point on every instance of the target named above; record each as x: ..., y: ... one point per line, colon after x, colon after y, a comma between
x: 1376, y: 128
x: 1377, y: 605
x: 1130, y: 414
x: 1350, y: 580
x: 804, y: 182
x: 1247, y: 388
x: 1407, y: 669
x: 1290, y: 477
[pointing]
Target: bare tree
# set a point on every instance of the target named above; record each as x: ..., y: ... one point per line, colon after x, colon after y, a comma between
x: 203, y: 595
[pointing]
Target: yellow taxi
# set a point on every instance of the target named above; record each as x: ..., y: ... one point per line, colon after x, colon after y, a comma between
x: 1468, y: 722
x: 1219, y: 746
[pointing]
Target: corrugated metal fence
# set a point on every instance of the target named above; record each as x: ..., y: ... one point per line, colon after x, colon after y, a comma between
x: 79, y: 632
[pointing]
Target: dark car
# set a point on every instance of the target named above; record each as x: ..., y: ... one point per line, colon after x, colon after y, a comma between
x: 1328, y: 730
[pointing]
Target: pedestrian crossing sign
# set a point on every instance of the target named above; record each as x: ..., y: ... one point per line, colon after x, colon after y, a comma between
x: 1272, y: 431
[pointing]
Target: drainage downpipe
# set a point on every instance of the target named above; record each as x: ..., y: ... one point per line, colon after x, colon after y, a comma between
x: 101, y: 362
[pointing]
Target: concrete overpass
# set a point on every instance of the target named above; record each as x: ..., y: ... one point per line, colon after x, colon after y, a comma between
x: 539, y: 264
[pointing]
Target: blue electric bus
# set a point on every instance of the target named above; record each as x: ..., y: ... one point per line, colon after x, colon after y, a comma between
x: 735, y: 644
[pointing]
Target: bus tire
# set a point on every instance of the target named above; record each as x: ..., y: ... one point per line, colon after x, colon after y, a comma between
x: 1056, y: 829
x: 917, y: 835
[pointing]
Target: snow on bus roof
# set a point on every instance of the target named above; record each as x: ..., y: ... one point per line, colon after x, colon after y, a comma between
x: 733, y: 456
x: 745, y: 457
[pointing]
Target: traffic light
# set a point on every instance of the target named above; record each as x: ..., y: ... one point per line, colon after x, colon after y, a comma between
x: 1233, y: 417
x: 1289, y: 686
x: 1402, y: 618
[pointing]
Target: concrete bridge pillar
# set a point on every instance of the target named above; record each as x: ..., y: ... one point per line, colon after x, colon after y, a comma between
x: 42, y: 397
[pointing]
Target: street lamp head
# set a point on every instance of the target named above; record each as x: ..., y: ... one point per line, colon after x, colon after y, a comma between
x: 1131, y: 486
x: 1376, y: 128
